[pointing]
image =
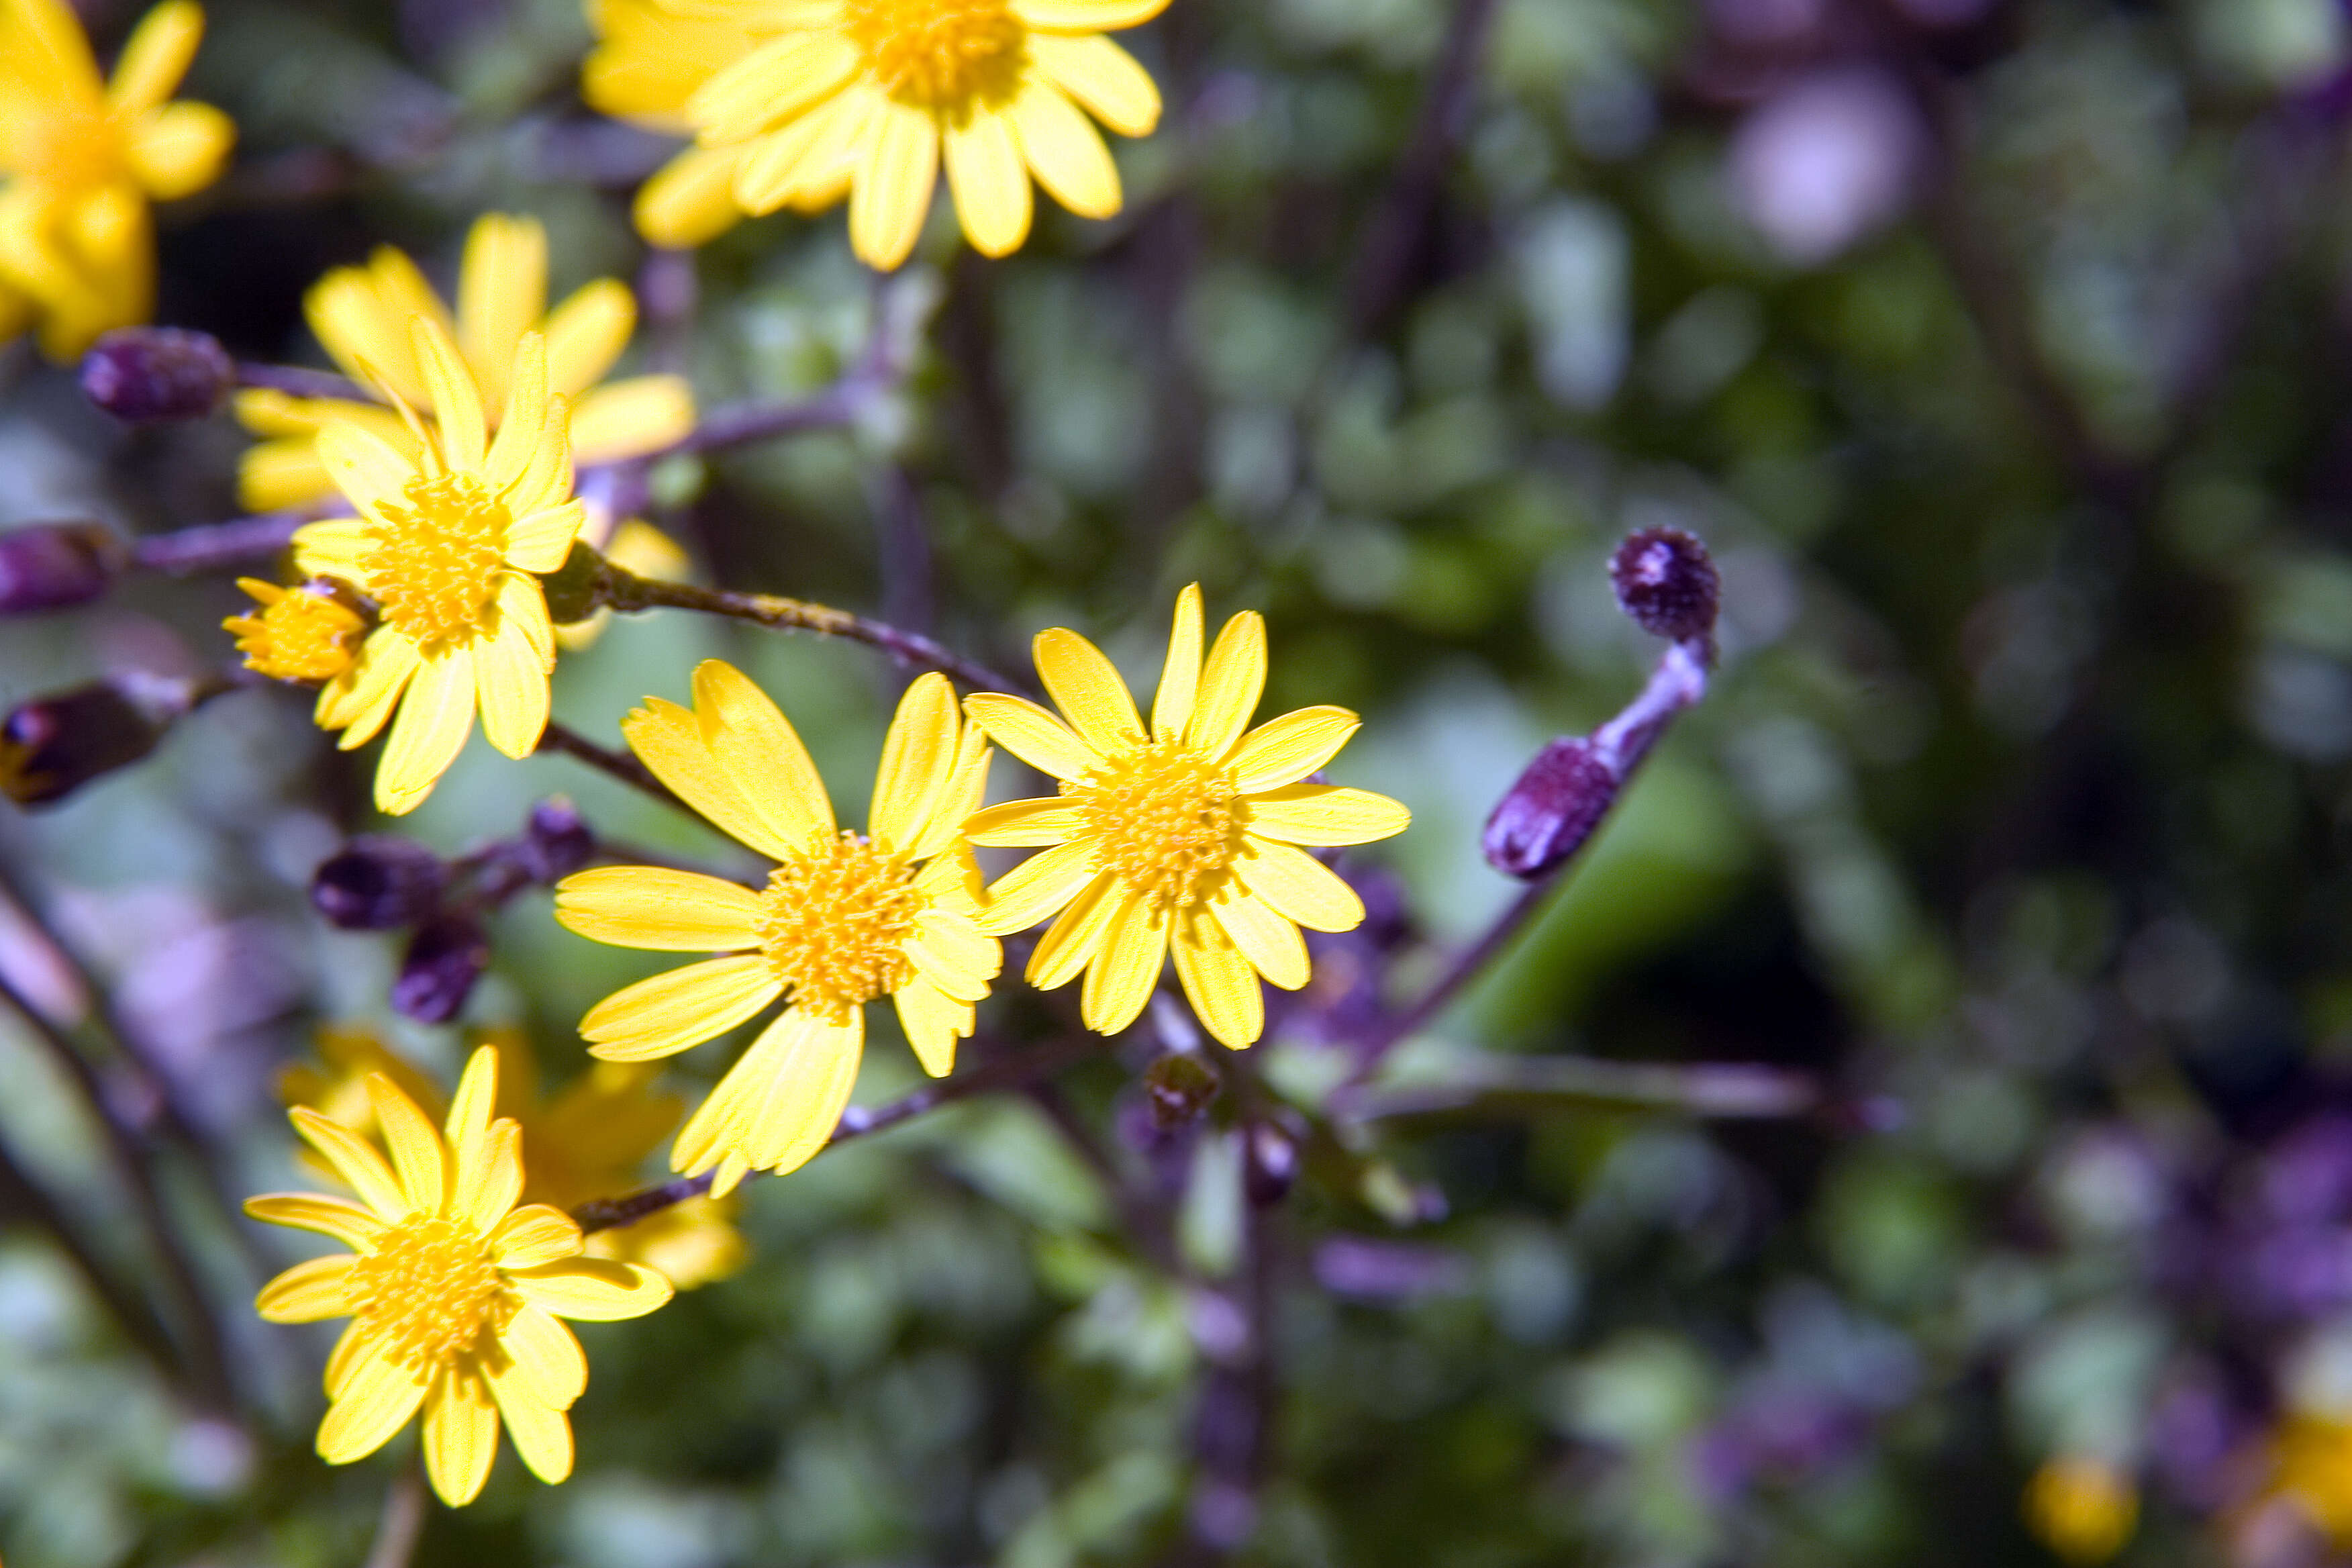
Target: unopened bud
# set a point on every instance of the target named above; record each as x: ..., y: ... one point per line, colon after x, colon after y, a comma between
x: 56, y: 566
x: 446, y: 956
x: 1178, y: 1087
x: 556, y: 842
x: 1269, y: 1163
x: 378, y: 884
x: 147, y: 376
x: 1667, y: 582
x: 51, y: 746
x: 1551, y: 811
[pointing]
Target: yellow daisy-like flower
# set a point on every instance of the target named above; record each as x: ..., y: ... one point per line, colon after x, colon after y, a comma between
x: 361, y: 316
x: 82, y: 157
x: 2083, y: 1507
x: 453, y: 1291
x: 1184, y: 837
x: 299, y: 635
x: 450, y: 533
x: 818, y: 99
x: 845, y: 919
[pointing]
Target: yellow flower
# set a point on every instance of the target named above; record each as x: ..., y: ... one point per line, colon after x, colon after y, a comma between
x: 1180, y: 838
x: 450, y: 532
x: 299, y: 635
x: 2082, y: 1508
x: 818, y: 99
x: 361, y: 316
x: 2312, y: 1467
x: 845, y: 920
x: 454, y: 1292
x: 82, y: 157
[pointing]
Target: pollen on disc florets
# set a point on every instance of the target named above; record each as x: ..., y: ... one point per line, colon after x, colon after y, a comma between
x: 429, y: 1286
x: 299, y: 635
x: 835, y: 925
x: 1161, y: 817
x: 940, y: 54
x: 435, y: 557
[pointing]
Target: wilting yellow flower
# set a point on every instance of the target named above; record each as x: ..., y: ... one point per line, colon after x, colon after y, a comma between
x: 361, y: 316
x: 587, y: 1142
x: 813, y: 100
x: 1182, y: 837
x: 845, y: 919
x: 449, y: 534
x: 2082, y: 1508
x: 299, y: 635
x: 82, y: 156
x: 454, y: 1292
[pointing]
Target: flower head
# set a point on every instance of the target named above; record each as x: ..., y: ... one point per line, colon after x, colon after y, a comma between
x: 845, y: 918
x: 361, y: 316
x: 450, y: 531
x: 2082, y: 1506
x: 82, y: 156
x: 1184, y: 837
x: 299, y: 634
x: 813, y: 100
x: 453, y: 1291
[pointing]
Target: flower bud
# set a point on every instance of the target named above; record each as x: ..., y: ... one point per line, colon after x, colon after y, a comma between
x: 378, y: 884
x: 56, y: 566
x: 1551, y: 811
x: 446, y: 956
x: 1178, y: 1087
x: 147, y: 376
x: 51, y: 746
x: 556, y: 842
x: 1667, y: 582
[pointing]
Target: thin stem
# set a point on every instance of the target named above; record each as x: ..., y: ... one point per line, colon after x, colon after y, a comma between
x: 216, y: 546
x: 614, y: 763
x: 1519, y: 1085
x: 295, y: 382
x: 402, y: 1522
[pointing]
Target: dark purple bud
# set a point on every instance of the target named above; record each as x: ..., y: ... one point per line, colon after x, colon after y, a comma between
x: 56, y: 566
x: 51, y: 746
x: 446, y: 956
x: 1269, y: 1163
x: 1178, y: 1087
x: 1552, y: 810
x: 149, y: 375
x: 1667, y: 582
x: 378, y: 884
x: 556, y: 842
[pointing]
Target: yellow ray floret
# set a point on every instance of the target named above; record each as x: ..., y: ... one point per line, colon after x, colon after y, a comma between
x: 453, y: 1291
x: 80, y: 158
x: 1183, y: 838
x: 361, y: 316
x: 845, y: 919
x: 450, y: 534
x: 801, y: 103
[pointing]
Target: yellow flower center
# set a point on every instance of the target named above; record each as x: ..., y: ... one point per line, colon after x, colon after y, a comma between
x: 937, y: 54
x: 300, y: 635
x: 435, y: 560
x: 1161, y: 816
x: 835, y: 925
x: 431, y: 1288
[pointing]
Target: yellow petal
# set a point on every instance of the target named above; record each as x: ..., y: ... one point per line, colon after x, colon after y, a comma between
x: 1297, y: 886
x: 949, y: 950
x: 376, y: 1400
x: 502, y: 294
x: 1036, y: 888
x: 365, y: 467
x: 592, y: 1289
x: 760, y: 755
x: 523, y: 423
x: 917, y: 756
x: 1289, y: 748
x: 777, y: 166
x: 346, y: 1222
x: 1024, y: 823
x: 1065, y: 151
x: 1218, y: 981
x: 655, y: 908
x: 307, y: 1292
x: 835, y: 153
x: 360, y: 702
x: 545, y: 482
x: 989, y: 180
x: 45, y: 44
x: 772, y: 84
x: 668, y: 739
x: 511, y: 688
x: 1230, y: 685
x: 679, y: 1009
x: 490, y: 1181
x: 586, y: 333
x: 280, y: 476
x: 690, y: 201
x: 1324, y: 814
x: 1030, y: 733
x: 461, y: 1435
x: 155, y: 56
x: 455, y: 396
x: 178, y: 148
x: 780, y: 1104
x: 536, y: 1235
x: 892, y: 193
x: 1087, y: 15
x: 631, y: 418
x: 415, y: 1142
x: 1071, y: 942
x: 1180, y: 677
x: 542, y: 1434
x: 934, y: 1022
x: 429, y: 731
x: 468, y: 1123
x: 522, y: 610
x: 1089, y: 691
x: 1119, y: 981
x: 357, y: 1345
x: 355, y: 1160
x: 543, y: 1350
x: 1102, y: 77
x: 1271, y: 943
x: 967, y: 786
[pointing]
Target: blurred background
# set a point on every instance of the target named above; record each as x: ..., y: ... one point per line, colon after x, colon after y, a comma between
x: 1997, y: 348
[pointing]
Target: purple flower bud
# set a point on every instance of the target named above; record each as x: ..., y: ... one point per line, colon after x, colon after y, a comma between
x: 1546, y: 816
x: 57, y: 566
x: 378, y: 884
x: 147, y: 376
x: 446, y: 956
x: 1178, y: 1087
x: 556, y: 842
x: 1269, y: 1163
x: 1667, y: 584
x: 51, y: 746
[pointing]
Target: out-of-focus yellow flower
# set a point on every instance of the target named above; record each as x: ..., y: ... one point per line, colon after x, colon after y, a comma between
x: 1180, y: 838
x: 453, y: 1290
x: 298, y: 634
x: 452, y: 532
x: 2082, y: 1508
x: 82, y: 157
x: 846, y: 919
x: 636, y: 546
x: 2311, y: 1468
x: 802, y: 103
x: 360, y: 315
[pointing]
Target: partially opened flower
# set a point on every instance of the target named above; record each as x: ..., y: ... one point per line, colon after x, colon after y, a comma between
x: 361, y: 317
x: 1184, y: 837
x: 296, y: 634
x: 450, y: 533
x: 82, y: 156
x: 453, y: 1291
x: 845, y: 918
x: 818, y: 99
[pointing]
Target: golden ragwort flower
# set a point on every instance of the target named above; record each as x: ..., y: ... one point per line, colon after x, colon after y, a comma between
x: 451, y: 531
x: 298, y: 633
x: 82, y: 156
x: 1184, y: 837
x: 818, y: 99
x: 2082, y: 1506
x: 453, y: 1291
x: 845, y: 919
x: 361, y: 316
